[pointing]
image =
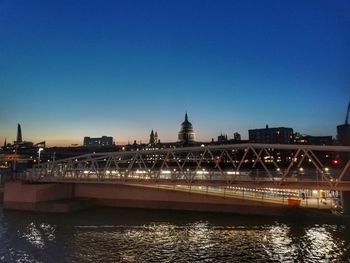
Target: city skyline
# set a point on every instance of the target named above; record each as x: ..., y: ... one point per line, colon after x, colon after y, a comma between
x: 146, y: 141
x: 121, y: 69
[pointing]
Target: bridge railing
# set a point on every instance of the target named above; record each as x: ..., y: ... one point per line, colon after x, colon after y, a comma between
x: 276, y: 163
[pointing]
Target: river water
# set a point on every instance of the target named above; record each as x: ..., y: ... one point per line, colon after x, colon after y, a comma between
x: 132, y: 235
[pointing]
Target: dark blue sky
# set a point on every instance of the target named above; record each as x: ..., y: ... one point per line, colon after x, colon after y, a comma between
x: 74, y: 68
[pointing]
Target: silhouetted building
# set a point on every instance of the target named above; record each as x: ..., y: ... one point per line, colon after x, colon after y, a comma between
x: 313, y: 140
x: 21, y: 146
x: 236, y: 136
x: 19, y: 134
x: 98, y: 142
x: 156, y: 140
x: 280, y: 135
x: 186, y: 134
x: 222, y: 139
x: 343, y: 131
x: 343, y: 134
x: 153, y: 138
x: 343, y: 137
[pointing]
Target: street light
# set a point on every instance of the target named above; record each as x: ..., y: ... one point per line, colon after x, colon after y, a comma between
x: 39, y: 150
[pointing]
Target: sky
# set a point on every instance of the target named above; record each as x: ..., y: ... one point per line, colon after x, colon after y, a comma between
x: 70, y: 69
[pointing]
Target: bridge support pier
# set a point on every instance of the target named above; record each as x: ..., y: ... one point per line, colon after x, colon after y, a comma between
x: 346, y: 201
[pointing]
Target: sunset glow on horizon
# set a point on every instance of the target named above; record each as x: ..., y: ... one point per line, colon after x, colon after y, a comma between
x: 71, y: 69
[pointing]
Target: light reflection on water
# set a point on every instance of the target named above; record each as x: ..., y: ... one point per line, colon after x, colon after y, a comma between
x: 278, y: 244
x: 154, y: 236
x: 320, y: 242
x: 39, y: 235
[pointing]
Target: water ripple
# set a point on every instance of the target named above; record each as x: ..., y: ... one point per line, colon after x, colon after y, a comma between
x: 46, y: 239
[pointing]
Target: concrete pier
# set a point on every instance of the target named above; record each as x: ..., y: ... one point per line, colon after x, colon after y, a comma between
x: 40, y: 197
x: 65, y: 197
x: 53, y: 197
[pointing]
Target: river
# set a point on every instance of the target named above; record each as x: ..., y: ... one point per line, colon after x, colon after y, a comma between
x: 137, y: 235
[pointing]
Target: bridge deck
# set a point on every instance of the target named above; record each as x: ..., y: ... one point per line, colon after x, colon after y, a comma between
x: 322, y: 185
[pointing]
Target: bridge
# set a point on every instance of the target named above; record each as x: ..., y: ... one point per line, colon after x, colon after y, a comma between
x: 242, y: 165
x: 253, y: 177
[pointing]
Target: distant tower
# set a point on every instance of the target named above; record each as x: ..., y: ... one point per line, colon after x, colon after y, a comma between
x: 5, y: 144
x: 152, y: 138
x: 186, y: 134
x: 156, y: 137
x: 19, y: 134
x: 343, y: 131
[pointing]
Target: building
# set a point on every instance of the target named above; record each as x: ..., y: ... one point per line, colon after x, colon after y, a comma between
x: 21, y: 146
x: 98, y: 142
x: 280, y: 135
x: 222, y: 139
x: 19, y: 134
x: 313, y: 140
x: 156, y: 140
x: 236, y: 136
x: 343, y: 134
x: 153, y: 138
x: 186, y: 134
x: 343, y: 131
x: 343, y: 138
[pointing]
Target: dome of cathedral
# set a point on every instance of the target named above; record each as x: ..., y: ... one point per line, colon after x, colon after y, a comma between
x: 186, y: 134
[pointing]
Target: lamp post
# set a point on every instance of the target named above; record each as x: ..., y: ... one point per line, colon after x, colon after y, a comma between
x: 39, y: 150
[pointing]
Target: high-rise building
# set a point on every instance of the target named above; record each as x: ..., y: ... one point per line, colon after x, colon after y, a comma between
x: 280, y: 135
x: 186, y: 134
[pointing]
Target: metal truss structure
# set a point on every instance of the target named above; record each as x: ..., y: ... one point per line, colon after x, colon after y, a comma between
x: 247, y: 165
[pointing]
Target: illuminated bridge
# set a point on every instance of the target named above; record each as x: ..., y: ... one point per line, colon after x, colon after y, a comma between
x: 246, y: 165
x: 210, y: 178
